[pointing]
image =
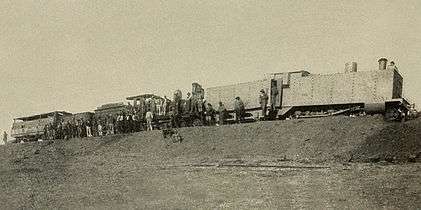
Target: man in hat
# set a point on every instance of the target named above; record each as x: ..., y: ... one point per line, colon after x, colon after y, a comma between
x: 263, y: 100
x: 239, y: 109
x: 392, y: 66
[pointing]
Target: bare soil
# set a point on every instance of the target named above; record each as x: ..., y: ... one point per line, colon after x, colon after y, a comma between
x: 341, y: 162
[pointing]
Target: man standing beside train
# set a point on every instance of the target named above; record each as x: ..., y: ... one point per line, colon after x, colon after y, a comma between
x: 263, y: 100
x: 222, y: 112
x: 4, y: 137
x: 239, y: 109
x: 149, y: 119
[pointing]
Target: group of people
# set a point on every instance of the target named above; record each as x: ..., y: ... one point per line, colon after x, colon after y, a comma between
x: 136, y: 119
x: 239, y: 107
x: 93, y: 126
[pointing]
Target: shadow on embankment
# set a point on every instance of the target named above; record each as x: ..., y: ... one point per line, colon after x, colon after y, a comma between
x: 395, y: 142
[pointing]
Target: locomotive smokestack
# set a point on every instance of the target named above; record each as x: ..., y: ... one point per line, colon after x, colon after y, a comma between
x: 382, y: 63
x: 350, y: 67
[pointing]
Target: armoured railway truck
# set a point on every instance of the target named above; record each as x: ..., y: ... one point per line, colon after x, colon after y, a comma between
x: 300, y: 94
x: 31, y: 128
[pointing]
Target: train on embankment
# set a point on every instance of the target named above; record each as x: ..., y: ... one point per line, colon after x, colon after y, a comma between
x: 296, y: 94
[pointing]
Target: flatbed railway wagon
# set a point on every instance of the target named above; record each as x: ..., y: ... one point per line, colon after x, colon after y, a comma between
x: 301, y: 94
x: 31, y: 128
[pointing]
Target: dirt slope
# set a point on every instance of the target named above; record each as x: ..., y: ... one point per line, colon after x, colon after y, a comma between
x: 339, y: 139
x: 144, y: 170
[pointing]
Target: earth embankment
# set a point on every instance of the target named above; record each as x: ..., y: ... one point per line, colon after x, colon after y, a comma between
x: 260, y: 165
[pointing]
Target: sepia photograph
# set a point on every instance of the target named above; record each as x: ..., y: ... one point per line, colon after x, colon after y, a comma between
x: 220, y: 104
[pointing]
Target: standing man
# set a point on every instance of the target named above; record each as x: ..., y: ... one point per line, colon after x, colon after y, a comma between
x: 210, y: 114
x: 136, y: 122
x: 222, y: 112
x: 46, y: 132
x: 158, y: 103
x: 5, y: 137
x: 59, y: 132
x: 200, y: 105
x: 124, y: 124
x: 165, y: 105
x: 263, y: 100
x: 149, y: 118
x: 129, y: 123
x: 119, y: 123
x: 94, y: 126
x: 83, y: 129
x: 239, y: 109
x: 99, y: 127
x: 189, y: 104
x: 111, y: 130
x: 79, y: 128
x: 74, y: 127
x: 130, y: 108
x: 88, y: 127
x: 66, y: 130
x: 274, y: 95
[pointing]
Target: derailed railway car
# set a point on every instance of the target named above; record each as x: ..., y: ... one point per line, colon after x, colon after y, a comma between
x: 302, y: 94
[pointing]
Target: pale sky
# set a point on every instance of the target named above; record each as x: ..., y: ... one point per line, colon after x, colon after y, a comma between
x: 75, y: 55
